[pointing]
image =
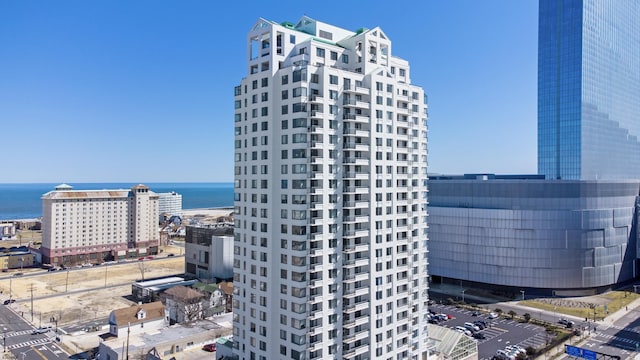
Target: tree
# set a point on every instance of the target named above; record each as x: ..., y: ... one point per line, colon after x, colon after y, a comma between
x: 142, y: 269
x: 527, y: 317
x: 530, y: 350
x: 512, y: 314
x: 498, y: 311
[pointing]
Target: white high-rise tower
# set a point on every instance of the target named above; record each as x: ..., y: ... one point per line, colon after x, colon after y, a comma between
x: 330, y: 256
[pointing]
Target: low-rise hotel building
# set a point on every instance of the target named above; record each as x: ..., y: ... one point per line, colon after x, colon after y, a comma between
x: 91, y: 226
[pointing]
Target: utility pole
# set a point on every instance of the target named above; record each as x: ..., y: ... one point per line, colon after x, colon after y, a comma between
x: 66, y: 284
x: 128, y: 332
x: 31, y: 288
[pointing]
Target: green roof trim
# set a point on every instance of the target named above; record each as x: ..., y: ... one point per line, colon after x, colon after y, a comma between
x: 324, y: 41
x: 361, y: 30
x: 288, y: 24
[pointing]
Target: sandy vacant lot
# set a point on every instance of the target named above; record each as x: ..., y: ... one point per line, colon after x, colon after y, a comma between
x: 70, y: 307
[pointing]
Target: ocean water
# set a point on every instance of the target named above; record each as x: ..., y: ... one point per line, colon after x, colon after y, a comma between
x: 23, y: 201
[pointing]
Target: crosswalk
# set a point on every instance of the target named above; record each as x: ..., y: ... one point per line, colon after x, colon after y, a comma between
x: 28, y: 343
x: 619, y: 341
x: 16, y: 333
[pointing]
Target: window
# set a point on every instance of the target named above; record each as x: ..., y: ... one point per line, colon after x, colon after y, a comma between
x: 299, y: 168
x: 333, y: 79
x: 320, y: 51
x: 297, y: 92
x: 299, y: 122
x: 299, y: 75
x: 265, y: 82
x: 285, y: 94
x: 284, y: 109
x: 292, y: 39
x: 299, y: 184
x: 299, y: 108
x: 285, y: 79
x: 299, y: 153
x: 299, y: 138
x: 345, y: 58
x: 334, y: 55
x: 325, y: 35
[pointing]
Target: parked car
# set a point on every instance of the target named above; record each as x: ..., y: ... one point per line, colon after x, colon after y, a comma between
x: 170, y: 255
x: 516, y: 348
x: 476, y: 313
x: 18, y: 274
x: 502, y: 354
x: 463, y: 330
x: 492, y: 316
x: 479, y: 335
x: 471, y: 327
x: 481, y: 324
x: 209, y: 347
x: 9, y: 301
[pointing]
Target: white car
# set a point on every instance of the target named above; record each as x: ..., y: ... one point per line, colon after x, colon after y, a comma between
x: 492, y: 316
x: 515, y: 349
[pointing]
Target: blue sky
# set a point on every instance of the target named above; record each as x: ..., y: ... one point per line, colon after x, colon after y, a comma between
x: 142, y: 91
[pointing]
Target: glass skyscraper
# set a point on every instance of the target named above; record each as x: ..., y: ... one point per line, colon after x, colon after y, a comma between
x: 589, y: 89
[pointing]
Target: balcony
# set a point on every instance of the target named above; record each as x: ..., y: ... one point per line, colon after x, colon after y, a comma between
x: 317, y: 114
x: 316, y: 205
x: 358, y: 90
x: 356, y: 262
x: 355, y: 290
x: 300, y: 60
x: 316, y: 98
x: 351, y: 322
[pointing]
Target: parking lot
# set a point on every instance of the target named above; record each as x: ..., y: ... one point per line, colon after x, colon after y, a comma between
x: 499, y: 333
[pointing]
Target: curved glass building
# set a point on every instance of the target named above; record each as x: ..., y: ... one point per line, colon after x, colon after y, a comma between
x: 532, y: 233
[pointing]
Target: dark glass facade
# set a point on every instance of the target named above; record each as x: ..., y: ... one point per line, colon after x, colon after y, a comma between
x: 589, y: 89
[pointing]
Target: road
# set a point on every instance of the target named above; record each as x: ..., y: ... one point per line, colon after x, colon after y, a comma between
x: 620, y: 338
x: 18, y: 338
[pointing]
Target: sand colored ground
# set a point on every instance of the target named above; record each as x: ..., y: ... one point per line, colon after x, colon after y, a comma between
x: 70, y: 307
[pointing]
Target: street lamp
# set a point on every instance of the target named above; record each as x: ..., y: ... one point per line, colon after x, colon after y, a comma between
x: 463, y: 295
x: 522, y: 292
